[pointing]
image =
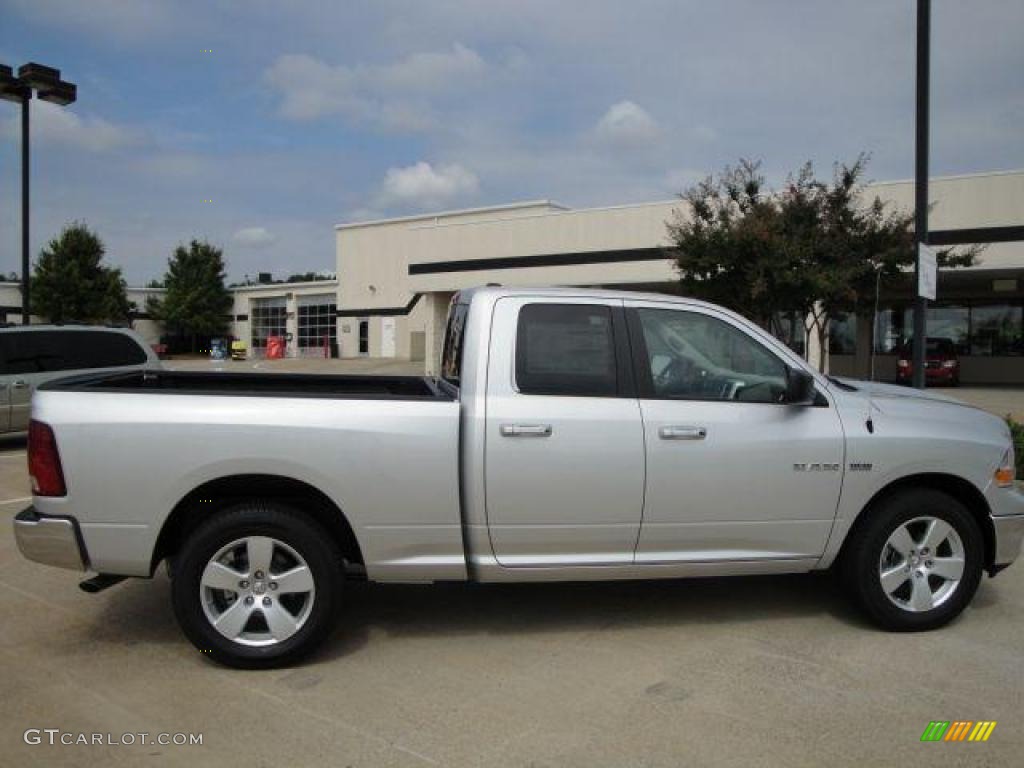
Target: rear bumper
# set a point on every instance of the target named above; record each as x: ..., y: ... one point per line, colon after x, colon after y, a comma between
x: 50, y: 540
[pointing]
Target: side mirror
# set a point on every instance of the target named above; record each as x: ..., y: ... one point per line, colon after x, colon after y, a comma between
x: 799, y: 387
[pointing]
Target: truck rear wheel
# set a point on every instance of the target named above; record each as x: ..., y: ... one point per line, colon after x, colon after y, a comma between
x: 916, y: 562
x: 257, y: 585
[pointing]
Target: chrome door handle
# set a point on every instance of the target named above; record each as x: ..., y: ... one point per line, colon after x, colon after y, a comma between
x: 526, y: 430
x: 682, y: 433
x: 19, y: 384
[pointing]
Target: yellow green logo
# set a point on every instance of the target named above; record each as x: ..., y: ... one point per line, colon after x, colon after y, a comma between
x: 958, y: 730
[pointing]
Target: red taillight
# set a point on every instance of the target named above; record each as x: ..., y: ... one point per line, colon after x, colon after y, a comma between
x: 44, y: 461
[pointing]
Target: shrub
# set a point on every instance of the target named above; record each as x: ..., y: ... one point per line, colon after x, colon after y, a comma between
x: 1017, y: 433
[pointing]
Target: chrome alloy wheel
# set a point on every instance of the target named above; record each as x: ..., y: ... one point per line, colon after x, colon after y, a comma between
x: 257, y: 591
x: 921, y: 564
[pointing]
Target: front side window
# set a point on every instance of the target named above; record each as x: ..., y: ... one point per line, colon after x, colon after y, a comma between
x: 691, y: 356
x: 566, y: 349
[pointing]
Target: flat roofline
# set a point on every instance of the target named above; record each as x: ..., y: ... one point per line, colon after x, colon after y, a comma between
x: 559, y: 212
x: 284, y: 286
x: 455, y: 212
x: 952, y: 177
x: 563, y: 209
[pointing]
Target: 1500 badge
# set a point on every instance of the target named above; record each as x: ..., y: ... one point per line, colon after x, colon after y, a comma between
x: 830, y: 467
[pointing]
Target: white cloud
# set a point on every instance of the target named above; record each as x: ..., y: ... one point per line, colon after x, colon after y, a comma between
x: 52, y: 124
x: 627, y: 123
x: 423, y: 186
x: 392, y: 95
x: 430, y: 70
x: 258, y: 237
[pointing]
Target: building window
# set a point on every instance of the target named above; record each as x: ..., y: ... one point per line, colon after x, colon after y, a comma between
x: 951, y: 322
x: 892, y: 328
x: 975, y: 329
x: 788, y: 327
x: 364, y: 336
x: 269, y: 317
x: 842, y: 334
x: 996, y: 330
x: 318, y: 326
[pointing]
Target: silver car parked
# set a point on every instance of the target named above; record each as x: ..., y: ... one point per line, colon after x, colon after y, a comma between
x: 33, y: 354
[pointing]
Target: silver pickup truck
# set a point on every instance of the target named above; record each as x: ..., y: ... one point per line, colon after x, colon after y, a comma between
x: 572, y: 434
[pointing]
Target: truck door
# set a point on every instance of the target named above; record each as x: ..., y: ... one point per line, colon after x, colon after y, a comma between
x: 733, y: 473
x: 564, y: 463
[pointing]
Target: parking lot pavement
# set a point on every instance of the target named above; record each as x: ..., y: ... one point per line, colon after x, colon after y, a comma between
x: 1002, y: 401
x: 766, y: 671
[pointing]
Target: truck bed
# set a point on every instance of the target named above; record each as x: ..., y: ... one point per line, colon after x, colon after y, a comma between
x: 256, y: 385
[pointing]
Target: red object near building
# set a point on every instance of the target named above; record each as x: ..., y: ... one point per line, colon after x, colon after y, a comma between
x: 275, y: 347
x: 941, y: 366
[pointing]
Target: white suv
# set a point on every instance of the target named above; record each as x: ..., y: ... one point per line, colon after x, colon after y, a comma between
x: 32, y: 354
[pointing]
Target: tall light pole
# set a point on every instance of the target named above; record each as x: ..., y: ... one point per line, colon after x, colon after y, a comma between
x: 47, y: 85
x: 924, y: 12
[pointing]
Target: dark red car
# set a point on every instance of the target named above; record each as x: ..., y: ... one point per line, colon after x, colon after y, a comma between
x: 941, y: 366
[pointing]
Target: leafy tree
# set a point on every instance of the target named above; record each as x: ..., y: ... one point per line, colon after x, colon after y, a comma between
x: 307, y: 277
x: 813, y: 247
x: 71, y: 283
x: 196, y: 302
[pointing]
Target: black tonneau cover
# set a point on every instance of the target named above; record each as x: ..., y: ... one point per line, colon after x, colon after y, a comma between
x: 255, y: 385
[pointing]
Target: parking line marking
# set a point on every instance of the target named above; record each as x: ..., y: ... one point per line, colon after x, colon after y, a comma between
x: 369, y: 735
x: 15, y: 501
x: 33, y: 596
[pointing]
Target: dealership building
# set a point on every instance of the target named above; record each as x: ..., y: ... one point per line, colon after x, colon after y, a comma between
x: 303, y: 313
x: 395, y: 278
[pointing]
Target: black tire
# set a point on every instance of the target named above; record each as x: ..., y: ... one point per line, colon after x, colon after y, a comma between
x: 263, y: 519
x: 860, y: 566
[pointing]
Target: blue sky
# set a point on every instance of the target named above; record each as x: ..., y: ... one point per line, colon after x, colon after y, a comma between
x: 307, y: 114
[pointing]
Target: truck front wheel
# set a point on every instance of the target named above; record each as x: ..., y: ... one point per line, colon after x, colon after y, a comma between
x: 916, y: 561
x: 257, y: 585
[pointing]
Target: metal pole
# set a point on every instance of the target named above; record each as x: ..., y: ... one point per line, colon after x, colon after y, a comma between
x: 921, y: 188
x: 26, y: 307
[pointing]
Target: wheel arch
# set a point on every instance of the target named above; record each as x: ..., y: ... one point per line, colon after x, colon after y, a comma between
x: 213, y: 495
x: 959, y: 488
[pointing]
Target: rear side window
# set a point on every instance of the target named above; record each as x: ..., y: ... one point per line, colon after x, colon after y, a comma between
x: 47, y: 351
x: 454, y: 340
x: 566, y: 349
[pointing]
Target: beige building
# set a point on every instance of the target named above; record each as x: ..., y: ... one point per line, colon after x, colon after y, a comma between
x: 397, y: 275
x: 305, y: 314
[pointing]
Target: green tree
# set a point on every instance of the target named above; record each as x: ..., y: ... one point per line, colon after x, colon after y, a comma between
x: 307, y: 277
x: 814, y: 247
x: 196, y: 302
x: 71, y: 283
